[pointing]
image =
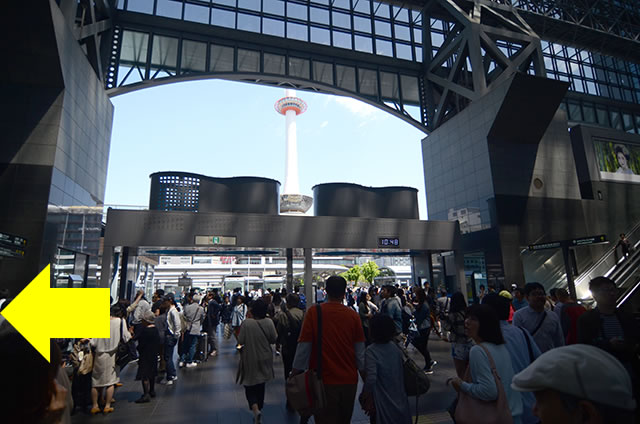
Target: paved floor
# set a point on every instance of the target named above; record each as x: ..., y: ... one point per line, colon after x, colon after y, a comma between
x: 208, y: 394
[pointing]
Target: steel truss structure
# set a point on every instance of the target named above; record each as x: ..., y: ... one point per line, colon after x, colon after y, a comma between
x: 383, y: 52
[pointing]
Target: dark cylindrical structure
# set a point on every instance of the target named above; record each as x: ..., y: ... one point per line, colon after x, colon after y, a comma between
x: 344, y: 199
x: 183, y: 191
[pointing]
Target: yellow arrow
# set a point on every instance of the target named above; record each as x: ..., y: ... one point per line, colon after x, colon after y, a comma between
x: 40, y: 313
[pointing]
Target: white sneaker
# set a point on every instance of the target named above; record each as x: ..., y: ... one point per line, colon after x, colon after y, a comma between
x: 167, y: 382
x: 180, y: 364
x: 192, y: 364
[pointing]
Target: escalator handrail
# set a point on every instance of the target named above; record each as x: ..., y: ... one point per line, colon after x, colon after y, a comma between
x: 582, y: 277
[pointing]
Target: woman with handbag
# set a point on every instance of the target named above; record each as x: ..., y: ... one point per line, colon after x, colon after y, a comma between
x: 104, y: 376
x: 256, y: 336
x: 485, y: 395
x: 238, y: 316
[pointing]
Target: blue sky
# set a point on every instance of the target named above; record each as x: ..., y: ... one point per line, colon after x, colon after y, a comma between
x: 225, y: 129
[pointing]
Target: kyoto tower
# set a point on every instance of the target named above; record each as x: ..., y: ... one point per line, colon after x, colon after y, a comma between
x: 291, y: 201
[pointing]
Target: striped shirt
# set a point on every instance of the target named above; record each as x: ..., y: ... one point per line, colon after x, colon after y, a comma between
x: 611, y: 327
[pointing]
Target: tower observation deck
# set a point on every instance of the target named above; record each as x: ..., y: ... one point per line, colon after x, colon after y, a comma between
x: 291, y: 201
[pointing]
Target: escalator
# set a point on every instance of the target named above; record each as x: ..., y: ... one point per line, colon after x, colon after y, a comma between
x: 627, y: 278
x: 621, y: 270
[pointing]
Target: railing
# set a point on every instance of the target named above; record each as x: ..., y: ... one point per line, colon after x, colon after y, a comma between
x: 607, y: 264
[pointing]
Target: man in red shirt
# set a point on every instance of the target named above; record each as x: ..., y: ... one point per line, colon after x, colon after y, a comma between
x: 342, y: 352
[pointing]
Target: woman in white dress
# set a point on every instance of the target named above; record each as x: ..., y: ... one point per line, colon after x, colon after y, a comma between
x: 104, y: 374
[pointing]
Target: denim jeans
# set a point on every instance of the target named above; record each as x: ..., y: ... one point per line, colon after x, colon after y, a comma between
x: 170, y: 342
x: 190, y: 344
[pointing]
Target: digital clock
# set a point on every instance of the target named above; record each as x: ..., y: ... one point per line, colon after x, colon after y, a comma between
x: 388, y: 242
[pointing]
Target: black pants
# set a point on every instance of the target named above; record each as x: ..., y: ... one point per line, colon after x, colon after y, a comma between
x: 420, y: 342
x: 81, y: 390
x: 211, y: 338
x: 255, y: 395
x: 287, y: 361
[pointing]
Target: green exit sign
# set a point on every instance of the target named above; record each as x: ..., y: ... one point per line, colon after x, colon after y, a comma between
x: 215, y: 240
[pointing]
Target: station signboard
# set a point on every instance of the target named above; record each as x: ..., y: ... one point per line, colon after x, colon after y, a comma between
x: 12, y: 246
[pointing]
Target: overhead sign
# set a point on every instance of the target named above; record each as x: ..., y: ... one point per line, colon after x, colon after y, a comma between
x: 12, y: 246
x: 184, y: 281
x: 584, y: 241
x: 589, y: 240
x: 215, y: 240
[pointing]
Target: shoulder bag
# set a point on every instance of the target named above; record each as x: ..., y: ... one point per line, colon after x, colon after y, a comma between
x: 126, y: 350
x: 305, y: 392
x: 470, y: 410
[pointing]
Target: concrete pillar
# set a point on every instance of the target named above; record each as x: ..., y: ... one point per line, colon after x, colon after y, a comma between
x: 308, y: 275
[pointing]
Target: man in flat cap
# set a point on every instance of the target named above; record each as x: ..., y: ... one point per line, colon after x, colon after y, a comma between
x: 578, y: 384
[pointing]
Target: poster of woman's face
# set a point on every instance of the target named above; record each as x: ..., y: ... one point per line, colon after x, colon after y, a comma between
x: 618, y: 161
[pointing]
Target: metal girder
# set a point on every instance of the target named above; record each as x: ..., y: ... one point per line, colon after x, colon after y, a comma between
x: 473, y: 59
x: 393, y: 85
x: 604, y: 26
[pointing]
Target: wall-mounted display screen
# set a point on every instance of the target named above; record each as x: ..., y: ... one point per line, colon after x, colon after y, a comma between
x: 388, y: 242
x: 618, y: 161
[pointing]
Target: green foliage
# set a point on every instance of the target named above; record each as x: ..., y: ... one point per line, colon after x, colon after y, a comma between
x: 353, y: 274
x: 370, y: 271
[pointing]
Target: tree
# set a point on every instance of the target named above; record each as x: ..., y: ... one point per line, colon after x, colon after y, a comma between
x: 370, y: 271
x: 353, y: 274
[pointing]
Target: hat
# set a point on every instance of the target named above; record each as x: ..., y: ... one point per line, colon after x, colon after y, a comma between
x: 506, y: 294
x: 583, y: 371
x: 149, y: 317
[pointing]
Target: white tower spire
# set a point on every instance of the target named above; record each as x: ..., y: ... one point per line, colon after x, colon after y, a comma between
x: 291, y: 200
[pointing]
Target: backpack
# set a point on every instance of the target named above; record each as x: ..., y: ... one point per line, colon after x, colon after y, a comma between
x: 569, y: 321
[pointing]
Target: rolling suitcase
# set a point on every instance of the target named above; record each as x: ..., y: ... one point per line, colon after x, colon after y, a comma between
x: 201, y: 348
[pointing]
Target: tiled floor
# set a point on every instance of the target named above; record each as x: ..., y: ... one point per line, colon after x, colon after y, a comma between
x: 208, y: 394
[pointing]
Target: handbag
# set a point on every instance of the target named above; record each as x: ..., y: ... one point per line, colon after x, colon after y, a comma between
x: 126, y: 350
x: 470, y: 410
x: 305, y: 392
x: 226, y: 333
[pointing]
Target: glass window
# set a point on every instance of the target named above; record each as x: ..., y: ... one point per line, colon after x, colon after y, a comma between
x: 389, y: 85
x: 364, y: 44
x: 320, y: 36
x: 134, y: 47
x: 418, y: 51
x: 383, y: 28
x: 275, y: 7
x: 196, y: 13
x: 343, y: 4
x: 297, y: 11
x: 400, y: 14
x: 320, y: 16
x: 342, y: 39
x: 384, y: 48
x: 274, y: 64
x: 325, y: 2
x: 381, y: 10
x: 627, y: 123
x: 248, y: 22
x: 403, y: 51
x: 362, y: 24
x: 194, y: 56
x: 323, y: 72
x: 248, y: 60
x: 273, y: 27
x: 249, y: 4
x: 146, y: 6
x: 616, y: 122
x: 603, y: 116
x: 299, y: 67
x: 297, y: 31
x: 362, y: 6
x: 402, y: 32
x: 223, y: 18
x: 165, y: 52
x: 221, y: 58
x: 589, y: 113
x: 410, y: 89
x: 341, y: 20
x: 231, y: 3
x: 368, y: 81
x: 346, y: 77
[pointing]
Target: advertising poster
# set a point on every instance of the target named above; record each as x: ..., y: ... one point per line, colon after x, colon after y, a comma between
x: 618, y: 161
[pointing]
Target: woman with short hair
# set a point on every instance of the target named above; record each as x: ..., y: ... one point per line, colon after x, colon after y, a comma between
x: 256, y: 336
x: 460, y: 342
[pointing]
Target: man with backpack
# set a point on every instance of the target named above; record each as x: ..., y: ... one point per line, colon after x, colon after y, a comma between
x: 288, y: 325
x: 212, y: 321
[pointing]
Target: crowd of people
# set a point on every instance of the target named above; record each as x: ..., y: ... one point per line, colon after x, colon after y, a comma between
x: 520, y: 356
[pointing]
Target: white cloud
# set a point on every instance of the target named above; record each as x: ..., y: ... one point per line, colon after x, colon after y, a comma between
x: 324, y: 124
x: 358, y: 108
